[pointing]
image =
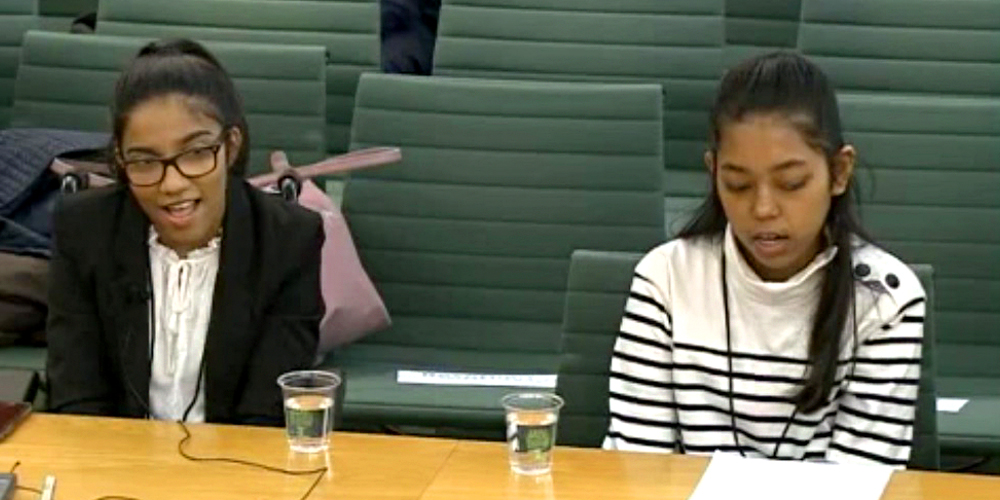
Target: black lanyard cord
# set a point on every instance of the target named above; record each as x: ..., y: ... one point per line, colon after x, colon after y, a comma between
x: 729, y: 359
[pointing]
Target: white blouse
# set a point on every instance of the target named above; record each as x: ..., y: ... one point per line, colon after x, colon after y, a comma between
x: 182, y: 307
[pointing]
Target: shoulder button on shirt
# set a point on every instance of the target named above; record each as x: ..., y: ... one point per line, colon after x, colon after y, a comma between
x: 862, y: 270
x: 892, y: 280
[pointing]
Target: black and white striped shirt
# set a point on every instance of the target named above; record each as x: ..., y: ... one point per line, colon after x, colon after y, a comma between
x: 670, y: 378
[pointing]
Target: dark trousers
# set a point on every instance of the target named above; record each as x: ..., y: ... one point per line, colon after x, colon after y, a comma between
x: 409, y: 28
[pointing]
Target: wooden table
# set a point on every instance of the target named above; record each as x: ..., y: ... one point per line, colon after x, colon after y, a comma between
x: 479, y: 470
x: 93, y: 457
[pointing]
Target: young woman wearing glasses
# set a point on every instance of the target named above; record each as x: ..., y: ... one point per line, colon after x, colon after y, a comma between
x: 182, y: 293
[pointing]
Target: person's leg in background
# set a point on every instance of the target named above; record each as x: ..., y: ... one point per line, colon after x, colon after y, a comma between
x: 409, y: 29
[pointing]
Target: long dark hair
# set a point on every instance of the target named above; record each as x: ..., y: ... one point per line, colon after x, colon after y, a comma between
x: 180, y: 67
x: 791, y: 85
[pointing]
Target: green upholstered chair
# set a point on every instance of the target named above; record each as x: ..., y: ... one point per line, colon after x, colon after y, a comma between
x: 931, y: 178
x: 926, y: 451
x: 597, y: 290
x: 26, y: 358
x: 349, y: 29
x: 913, y: 46
x: 67, y: 81
x: 469, y: 237
x: 23, y: 358
x: 759, y: 26
x: 920, y: 98
x: 16, y: 18
x: 57, y: 15
x: 763, y: 23
x: 675, y: 43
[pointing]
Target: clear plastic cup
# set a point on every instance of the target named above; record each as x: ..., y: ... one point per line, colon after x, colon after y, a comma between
x: 308, y: 396
x: 532, y: 420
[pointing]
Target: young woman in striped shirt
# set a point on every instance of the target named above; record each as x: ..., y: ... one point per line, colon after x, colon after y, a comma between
x: 772, y: 326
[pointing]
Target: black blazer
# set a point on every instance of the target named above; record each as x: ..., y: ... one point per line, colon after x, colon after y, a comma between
x: 265, y: 318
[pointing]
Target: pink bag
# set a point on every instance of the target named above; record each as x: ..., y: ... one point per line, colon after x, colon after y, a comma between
x: 353, y: 305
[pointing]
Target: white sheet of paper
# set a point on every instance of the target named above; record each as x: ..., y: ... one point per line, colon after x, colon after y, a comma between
x: 731, y: 476
x: 950, y: 405
x: 475, y: 379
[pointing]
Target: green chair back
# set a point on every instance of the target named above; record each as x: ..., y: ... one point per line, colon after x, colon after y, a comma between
x: 759, y: 26
x: 23, y: 358
x: 67, y: 81
x: 947, y: 47
x: 930, y: 180
x: 926, y: 451
x: 469, y: 237
x: 349, y: 29
x: 596, y: 293
x: 675, y: 43
x: 58, y: 15
x: 16, y: 18
x: 919, y: 84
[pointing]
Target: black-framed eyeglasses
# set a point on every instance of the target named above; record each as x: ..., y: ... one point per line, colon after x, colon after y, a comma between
x: 192, y: 163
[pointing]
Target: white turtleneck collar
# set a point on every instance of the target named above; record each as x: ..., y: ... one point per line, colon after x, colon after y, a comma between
x: 800, y: 288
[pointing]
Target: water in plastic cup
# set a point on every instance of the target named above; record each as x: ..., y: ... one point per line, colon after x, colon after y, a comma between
x: 532, y: 419
x: 308, y: 396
